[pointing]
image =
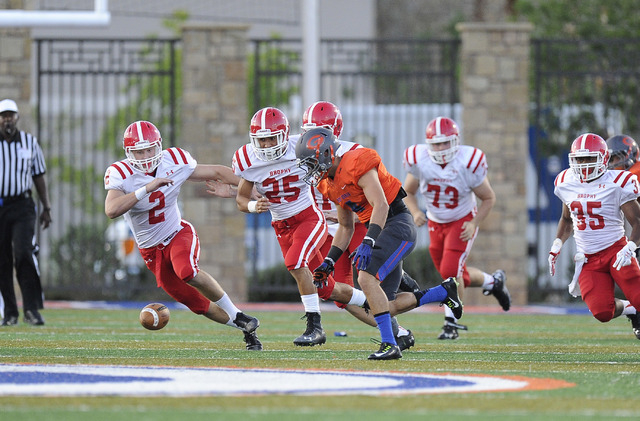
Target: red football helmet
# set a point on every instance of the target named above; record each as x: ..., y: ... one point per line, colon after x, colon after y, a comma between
x: 143, y: 135
x: 323, y: 114
x: 441, y: 130
x: 269, y: 122
x: 594, y: 148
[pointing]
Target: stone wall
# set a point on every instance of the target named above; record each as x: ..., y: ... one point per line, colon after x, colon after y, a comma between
x: 495, y: 98
x: 15, y: 65
x: 215, y: 124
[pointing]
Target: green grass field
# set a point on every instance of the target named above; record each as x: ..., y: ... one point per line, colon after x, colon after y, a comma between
x: 601, y: 359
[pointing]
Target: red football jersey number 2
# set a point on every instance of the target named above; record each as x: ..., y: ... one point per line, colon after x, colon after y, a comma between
x: 155, y: 214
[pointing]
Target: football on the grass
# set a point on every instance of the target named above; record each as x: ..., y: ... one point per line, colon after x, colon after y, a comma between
x: 154, y: 316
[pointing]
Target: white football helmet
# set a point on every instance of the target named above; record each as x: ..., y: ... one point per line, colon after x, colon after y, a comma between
x: 589, y: 145
x: 268, y: 122
x: 441, y: 130
x: 143, y: 135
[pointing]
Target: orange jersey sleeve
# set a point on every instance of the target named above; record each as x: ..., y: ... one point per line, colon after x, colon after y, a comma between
x: 344, y: 190
x: 635, y: 168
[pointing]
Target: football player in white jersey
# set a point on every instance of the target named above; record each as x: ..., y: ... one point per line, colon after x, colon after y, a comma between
x: 269, y: 164
x: 326, y: 114
x: 144, y: 188
x: 595, y: 201
x: 450, y: 176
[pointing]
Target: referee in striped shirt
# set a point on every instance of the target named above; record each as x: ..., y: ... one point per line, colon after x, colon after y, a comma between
x: 21, y: 165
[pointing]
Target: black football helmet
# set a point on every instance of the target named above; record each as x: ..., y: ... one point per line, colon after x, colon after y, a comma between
x: 623, y: 151
x: 315, y: 151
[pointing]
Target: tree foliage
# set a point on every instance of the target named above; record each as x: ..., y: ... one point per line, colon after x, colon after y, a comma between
x: 581, y: 19
x: 585, y: 72
x: 270, y: 68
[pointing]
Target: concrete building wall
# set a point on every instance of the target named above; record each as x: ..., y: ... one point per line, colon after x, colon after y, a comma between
x: 139, y: 18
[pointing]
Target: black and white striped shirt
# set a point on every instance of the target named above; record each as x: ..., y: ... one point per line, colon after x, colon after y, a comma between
x: 20, y: 160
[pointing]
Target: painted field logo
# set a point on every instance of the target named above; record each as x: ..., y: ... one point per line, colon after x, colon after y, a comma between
x: 98, y: 380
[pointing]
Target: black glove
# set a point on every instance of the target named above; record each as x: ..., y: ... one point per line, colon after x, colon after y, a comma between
x: 322, y: 272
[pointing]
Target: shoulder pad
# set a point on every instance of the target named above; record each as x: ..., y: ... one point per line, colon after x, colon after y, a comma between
x: 242, y: 158
x: 562, y: 177
x: 410, y: 156
x: 476, y: 159
x: 178, y: 155
x: 624, y: 178
x: 123, y: 168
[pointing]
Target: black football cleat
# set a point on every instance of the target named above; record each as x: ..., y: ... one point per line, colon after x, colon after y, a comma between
x: 405, y: 341
x: 450, y: 329
x: 314, y: 335
x: 246, y: 323
x: 387, y: 351
x: 33, y: 318
x: 500, y: 290
x: 453, y: 300
x: 635, y: 323
x: 252, y: 341
x: 9, y: 321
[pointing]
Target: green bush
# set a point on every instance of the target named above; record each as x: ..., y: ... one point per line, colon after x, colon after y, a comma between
x: 85, y: 267
x: 420, y: 267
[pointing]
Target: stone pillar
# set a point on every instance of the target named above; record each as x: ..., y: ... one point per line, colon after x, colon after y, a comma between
x: 214, y: 124
x: 495, y: 100
x: 15, y: 74
x: 15, y: 66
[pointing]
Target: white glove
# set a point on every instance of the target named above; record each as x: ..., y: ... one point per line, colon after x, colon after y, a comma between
x: 624, y: 256
x: 553, y: 255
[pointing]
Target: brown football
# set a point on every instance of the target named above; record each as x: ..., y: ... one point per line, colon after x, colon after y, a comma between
x: 154, y: 316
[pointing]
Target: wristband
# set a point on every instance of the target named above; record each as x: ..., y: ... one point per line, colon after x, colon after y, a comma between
x: 252, y: 206
x: 367, y: 240
x: 141, y: 192
x: 46, y: 209
x: 374, y: 231
x: 334, y: 254
x: 556, y: 246
x: 632, y: 245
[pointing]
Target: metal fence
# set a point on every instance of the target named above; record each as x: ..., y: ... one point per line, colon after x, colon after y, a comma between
x: 578, y: 86
x: 387, y: 91
x: 87, y: 92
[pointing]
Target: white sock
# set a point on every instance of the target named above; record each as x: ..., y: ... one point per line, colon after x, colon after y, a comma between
x: 311, y: 303
x: 449, y: 313
x: 488, y: 281
x: 358, y: 298
x: 627, y: 308
x: 227, y: 305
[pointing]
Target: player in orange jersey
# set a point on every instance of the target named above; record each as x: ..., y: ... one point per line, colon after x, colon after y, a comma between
x: 358, y: 182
